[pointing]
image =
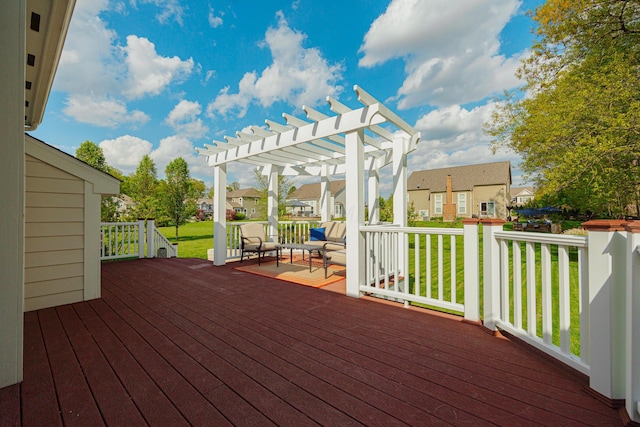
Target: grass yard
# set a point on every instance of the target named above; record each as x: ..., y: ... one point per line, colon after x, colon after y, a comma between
x: 195, y: 238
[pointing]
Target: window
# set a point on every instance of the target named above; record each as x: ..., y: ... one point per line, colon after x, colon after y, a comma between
x: 438, y: 202
x: 462, y: 203
x: 488, y: 209
x: 253, y: 210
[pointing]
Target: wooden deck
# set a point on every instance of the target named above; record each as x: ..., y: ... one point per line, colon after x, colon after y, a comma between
x: 179, y: 342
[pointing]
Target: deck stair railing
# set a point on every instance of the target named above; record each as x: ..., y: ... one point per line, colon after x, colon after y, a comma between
x: 123, y: 240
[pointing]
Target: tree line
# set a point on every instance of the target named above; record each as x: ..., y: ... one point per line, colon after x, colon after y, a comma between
x: 577, y: 122
x: 170, y: 201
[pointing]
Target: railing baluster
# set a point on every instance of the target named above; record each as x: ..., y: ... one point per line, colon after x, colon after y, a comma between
x: 531, y: 289
x: 585, y: 335
x: 428, y: 266
x: 440, y: 268
x: 564, y: 300
x: 547, y: 312
x: 453, y: 270
x: 416, y: 267
x: 517, y: 284
x: 504, y: 281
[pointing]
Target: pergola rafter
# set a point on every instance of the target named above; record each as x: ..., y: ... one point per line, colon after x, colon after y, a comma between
x: 350, y: 143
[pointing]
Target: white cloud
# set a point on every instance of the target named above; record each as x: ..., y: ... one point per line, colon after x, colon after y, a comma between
x: 102, y: 111
x: 450, y: 49
x: 184, y: 120
x: 150, y: 73
x: 215, y: 21
x: 175, y: 146
x: 169, y: 9
x: 455, y: 126
x: 297, y: 75
x: 125, y: 152
x: 96, y: 71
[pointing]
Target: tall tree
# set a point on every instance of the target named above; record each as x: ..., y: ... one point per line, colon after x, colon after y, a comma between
x: 578, y: 130
x: 284, y: 186
x: 176, y: 190
x: 90, y: 153
x: 144, y: 183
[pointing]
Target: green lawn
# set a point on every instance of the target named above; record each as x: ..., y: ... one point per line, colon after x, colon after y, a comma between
x: 194, y: 238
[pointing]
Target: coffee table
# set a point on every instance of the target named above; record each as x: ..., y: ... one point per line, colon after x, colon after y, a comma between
x: 299, y: 247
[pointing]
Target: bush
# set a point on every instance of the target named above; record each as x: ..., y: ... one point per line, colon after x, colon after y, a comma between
x: 240, y: 216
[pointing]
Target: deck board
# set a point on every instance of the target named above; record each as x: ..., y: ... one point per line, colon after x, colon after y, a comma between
x: 180, y: 342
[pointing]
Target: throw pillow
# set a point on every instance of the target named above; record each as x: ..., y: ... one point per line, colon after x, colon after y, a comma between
x: 317, y: 234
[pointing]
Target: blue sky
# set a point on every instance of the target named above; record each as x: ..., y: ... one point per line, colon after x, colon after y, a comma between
x: 162, y: 77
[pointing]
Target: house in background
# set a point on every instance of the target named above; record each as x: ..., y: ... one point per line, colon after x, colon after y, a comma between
x: 246, y: 201
x: 205, y: 208
x: 309, y: 194
x: 62, y: 226
x: 482, y: 191
x: 522, y: 195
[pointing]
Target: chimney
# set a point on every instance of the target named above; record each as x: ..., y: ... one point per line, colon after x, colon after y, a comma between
x: 449, y: 208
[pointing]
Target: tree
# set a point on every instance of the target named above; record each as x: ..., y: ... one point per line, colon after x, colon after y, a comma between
x: 578, y: 131
x: 144, y: 188
x: 284, y: 185
x: 90, y: 153
x: 176, y: 191
x: 233, y: 186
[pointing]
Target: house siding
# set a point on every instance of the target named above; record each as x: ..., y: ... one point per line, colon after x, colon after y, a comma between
x: 492, y: 193
x: 54, y: 236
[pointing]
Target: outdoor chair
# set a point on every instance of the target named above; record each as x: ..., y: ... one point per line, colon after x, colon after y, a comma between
x: 254, y: 239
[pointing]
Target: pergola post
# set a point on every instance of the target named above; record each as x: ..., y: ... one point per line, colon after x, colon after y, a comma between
x: 354, y: 176
x: 220, y: 214
x: 272, y: 200
x: 373, y: 192
x: 325, y: 195
x: 400, y: 198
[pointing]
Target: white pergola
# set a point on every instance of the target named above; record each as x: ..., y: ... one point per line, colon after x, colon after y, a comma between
x: 350, y: 143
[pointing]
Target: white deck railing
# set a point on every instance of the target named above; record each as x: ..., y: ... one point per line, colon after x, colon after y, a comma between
x: 415, y: 265
x: 544, y: 294
x: 123, y: 240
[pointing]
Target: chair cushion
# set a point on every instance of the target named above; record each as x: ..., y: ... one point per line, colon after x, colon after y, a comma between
x: 317, y: 233
x: 337, y: 257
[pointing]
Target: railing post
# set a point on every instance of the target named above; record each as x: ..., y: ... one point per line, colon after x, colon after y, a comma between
x: 491, y: 267
x: 140, y: 238
x: 632, y: 354
x: 471, y: 271
x: 607, y: 271
x: 150, y: 227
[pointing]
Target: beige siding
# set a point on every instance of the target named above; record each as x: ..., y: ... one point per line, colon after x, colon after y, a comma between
x: 491, y: 193
x: 420, y: 200
x: 54, y: 236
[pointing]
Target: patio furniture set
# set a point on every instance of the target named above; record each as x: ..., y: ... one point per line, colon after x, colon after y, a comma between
x: 328, y: 241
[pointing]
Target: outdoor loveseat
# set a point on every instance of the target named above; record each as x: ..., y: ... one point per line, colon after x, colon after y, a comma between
x: 331, y: 237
